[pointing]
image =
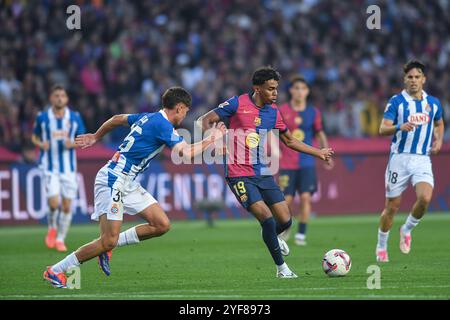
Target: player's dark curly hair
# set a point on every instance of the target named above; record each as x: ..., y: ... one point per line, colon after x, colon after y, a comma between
x: 175, y: 95
x: 411, y: 64
x: 264, y: 74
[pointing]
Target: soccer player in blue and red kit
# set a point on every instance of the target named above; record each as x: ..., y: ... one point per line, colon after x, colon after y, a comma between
x: 251, y: 117
x: 298, y: 170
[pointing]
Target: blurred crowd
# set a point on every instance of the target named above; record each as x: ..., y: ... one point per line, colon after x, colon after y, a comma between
x: 128, y: 52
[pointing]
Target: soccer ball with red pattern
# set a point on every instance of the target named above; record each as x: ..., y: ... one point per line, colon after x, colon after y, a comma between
x: 336, y: 263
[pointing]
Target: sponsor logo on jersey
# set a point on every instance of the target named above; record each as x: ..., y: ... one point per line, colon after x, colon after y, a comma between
x: 223, y: 104
x: 298, y: 134
x: 419, y: 118
x: 60, y: 134
x: 252, y: 140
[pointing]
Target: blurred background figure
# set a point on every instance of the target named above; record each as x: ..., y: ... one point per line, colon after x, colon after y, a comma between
x: 127, y: 53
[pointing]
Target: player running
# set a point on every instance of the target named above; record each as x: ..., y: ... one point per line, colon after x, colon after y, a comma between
x: 413, y: 117
x: 116, y: 190
x: 255, y: 114
x: 54, y: 133
x: 298, y: 170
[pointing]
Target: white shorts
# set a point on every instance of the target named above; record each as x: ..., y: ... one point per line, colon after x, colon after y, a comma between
x: 404, y: 167
x: 61, y: 184
x: 114, y: 203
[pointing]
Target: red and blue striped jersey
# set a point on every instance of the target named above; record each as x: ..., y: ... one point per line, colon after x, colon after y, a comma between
x: 247, y: 135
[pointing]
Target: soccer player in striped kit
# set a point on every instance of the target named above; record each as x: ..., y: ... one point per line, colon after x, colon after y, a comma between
x: 54, y: 133
x: 251, y: 117
x: 414, y: 118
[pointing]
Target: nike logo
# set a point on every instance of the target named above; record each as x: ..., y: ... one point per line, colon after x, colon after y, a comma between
x: 247, y: 111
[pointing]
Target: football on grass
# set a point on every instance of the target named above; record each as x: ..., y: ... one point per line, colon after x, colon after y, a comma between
x: 336, y: 263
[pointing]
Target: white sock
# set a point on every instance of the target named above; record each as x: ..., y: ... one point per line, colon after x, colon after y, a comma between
x: 283, y: 267
x: 66, y: 263
x: 64, y: 223
x: 300, y: 236
x: 52, y: 216
x: 128, y: 237
x: 382, y: 239
x: 410, y: 223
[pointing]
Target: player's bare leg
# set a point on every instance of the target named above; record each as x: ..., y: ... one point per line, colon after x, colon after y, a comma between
x: 286, y: 233
x: 52, y: 217
x: 157, y: 224
x: 392, y: 205
x: 303, y: 218
x: 65, y: 219
x: 268, y: 223
x: 424, y: 192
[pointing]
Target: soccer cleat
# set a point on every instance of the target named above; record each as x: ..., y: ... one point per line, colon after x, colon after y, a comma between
x: 56, y: 280
x: 287, y: 274
x: 60, y: 246
x: 382, y: 255
x: 300, y: 240
x: 50, y: 238
x: 103, y: 262
x: 283, y: 247
x: 405, y: 242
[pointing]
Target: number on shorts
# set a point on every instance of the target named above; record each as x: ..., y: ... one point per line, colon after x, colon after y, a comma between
x: 240, y: 187
x: 118, y: 196
x: 393, y: 177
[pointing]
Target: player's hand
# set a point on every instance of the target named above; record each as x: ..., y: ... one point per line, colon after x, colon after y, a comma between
x: 329, y: 165
x: 85, y: 140
x: 69, y: 144
x: 436, y: 147
x: 408, y: 126
x: 325, y: 154
x: 45, y: 145
x: 218, y: 130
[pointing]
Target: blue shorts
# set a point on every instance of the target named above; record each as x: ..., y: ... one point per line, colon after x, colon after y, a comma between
x: 249, y: 190
x: 301, y: 180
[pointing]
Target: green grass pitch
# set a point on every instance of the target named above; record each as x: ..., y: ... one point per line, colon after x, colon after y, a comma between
x: 229, y: 261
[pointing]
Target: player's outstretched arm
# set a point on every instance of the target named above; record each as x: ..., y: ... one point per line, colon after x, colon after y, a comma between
x: 190, y: 151
x: 207, y: 120
x: 323, y: 142
x: 387, y: 127
x: 89, y: 139
x: 287, y: 138
x: 438, y: 136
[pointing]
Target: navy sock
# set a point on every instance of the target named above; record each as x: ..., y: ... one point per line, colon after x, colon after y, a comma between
x: 282, y: 227
x: 271, y: 240
x: 302, y: 228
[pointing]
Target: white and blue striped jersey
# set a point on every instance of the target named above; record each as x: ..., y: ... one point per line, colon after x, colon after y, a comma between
x: 58, y: 159
x: 149, y: 133
x: 403, y: 108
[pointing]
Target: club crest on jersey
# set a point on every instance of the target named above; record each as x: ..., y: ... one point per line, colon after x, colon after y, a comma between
x: 115, y: 157
x: 419, y: 118
x: 257, y: 121
x: 298, y: 120
x: 427, y: 108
